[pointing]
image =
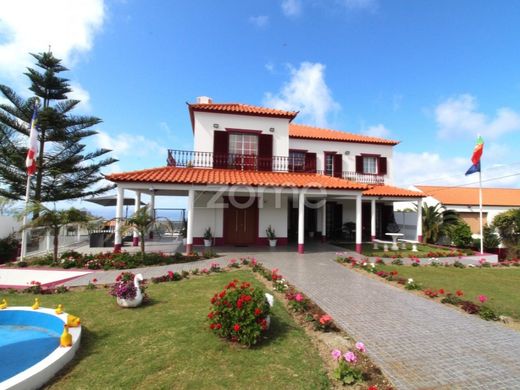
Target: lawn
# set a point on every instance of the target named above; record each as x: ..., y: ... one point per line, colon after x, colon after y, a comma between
x: 423, y: 250
x: 167, y: 343
x: 500, y: 285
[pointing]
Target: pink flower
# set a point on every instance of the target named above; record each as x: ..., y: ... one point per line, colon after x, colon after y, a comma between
x: 360, y: 346
x: 350, y: 357
x: 298, y: 297
x: 336, y: 354
x: 482, y: 298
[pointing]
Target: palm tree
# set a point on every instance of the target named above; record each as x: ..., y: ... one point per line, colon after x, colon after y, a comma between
x: 142, y: 221
x: 53, y: 220
x: 436, y: 221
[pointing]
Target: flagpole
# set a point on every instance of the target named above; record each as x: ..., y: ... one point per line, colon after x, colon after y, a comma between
x: 480, y: 209
x: 24, y: 232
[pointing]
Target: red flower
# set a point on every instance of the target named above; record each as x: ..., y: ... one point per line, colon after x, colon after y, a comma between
x: 221, y: 295
x: 258, y: 311
x: 212, y: 326
x: 247, y: 298
x: 441, y: 291
x: 94, y: 280
x: 236, y: 327
x: 210, y: 315
x: 218, y: 326
x: 459, y: 293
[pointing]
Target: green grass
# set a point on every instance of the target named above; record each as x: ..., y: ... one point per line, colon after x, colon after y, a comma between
x: 167, y: 344
x: 500, y: 285
x: 423, y: 250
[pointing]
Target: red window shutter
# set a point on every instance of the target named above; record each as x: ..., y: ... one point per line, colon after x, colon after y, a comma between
x: 338, y: 165
x: 359, y: 164
x: 381, y: 162
x: 220, y: 149
x: 265, y: 152
x: 310, y: 162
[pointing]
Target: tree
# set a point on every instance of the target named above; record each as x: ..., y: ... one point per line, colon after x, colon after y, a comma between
x: 508, y: 225
x: 142, y: 221
x: 460, y: 234
x: 53, y: 220
x: 65, y: 170
x: 436, y: 221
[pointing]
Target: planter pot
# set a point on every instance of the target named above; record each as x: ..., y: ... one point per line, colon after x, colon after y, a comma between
x: 129, y: 302
x: 272, y: 243
x: 207, y: 243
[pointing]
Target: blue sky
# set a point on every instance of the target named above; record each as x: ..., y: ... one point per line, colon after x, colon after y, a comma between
x: 431, y: 74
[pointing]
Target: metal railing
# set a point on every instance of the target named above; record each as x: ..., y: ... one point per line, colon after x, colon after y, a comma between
x: 250, y: 162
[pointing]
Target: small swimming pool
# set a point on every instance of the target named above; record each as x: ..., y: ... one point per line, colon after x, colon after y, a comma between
x: 30, y: 352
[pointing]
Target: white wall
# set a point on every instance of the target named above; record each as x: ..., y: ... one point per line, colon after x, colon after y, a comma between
x: 205, y: 216
x: 349, y: 161
x: 9, y: 225
x: 203, y: 134
x: 273, y: 214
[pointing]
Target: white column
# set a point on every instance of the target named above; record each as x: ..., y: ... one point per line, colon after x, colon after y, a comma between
x: 152, y: 211
x: 189, y: 227
x: 358, y: 223
x: 301, y: 222
x: 78, y: 237
x: 419, y: 220
x: 324, y: 221
x: 119, y: 218
x: 372, y: 219
x: 137, y: 206
x: 48, y: 240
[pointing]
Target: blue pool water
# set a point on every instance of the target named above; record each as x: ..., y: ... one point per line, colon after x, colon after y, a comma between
x: 26, y: 337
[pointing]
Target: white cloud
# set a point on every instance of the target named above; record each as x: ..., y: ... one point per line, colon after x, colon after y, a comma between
x: 129, y: 145
x: 306, y: 92
x: 377, y: 131
x: 79, y: 93
x: 459, y: 116
x: 292, y: 8
x: 28, y: 26
x: 259, y: 21
x: 269, y: 67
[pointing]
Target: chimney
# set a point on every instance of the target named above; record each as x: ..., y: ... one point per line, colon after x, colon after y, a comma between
x: 204, y: 100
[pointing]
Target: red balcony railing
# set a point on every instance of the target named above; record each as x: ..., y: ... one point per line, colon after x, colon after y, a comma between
x: 249, y: 162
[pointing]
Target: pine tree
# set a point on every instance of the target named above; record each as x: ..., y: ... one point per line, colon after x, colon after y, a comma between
x: 65, y: 170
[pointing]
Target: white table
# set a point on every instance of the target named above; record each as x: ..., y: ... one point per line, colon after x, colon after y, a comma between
x: 394, y: 240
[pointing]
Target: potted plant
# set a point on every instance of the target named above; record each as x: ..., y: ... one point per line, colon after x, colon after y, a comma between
x: 127, y: 290
x: 208, y: 237
x: 271, y: 236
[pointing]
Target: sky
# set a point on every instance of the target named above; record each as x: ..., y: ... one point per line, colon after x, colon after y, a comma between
x: 432, y: 75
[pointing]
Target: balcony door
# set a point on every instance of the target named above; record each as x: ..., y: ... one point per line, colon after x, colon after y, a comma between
x: 243, y: 151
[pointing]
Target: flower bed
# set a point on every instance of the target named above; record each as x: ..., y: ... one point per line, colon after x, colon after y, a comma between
x: 122, y: 260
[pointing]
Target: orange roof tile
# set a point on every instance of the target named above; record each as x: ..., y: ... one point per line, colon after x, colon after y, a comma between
x: 392, y: 192
x: 468, y: 196
x: 176, y: 175
x: 311, y: 132
x: 239, y: 108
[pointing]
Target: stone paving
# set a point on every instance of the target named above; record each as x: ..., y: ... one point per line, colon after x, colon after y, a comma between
x: 418, y: 343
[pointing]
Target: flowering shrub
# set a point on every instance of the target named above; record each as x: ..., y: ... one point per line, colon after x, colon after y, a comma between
x: 323, y: 323
x: 412, y: 285
x: 124, y: 287
x: 487, y: 314
x: 297, y: 301
x: 470, y: 307
x: 239, y: 313
x: 415, y: 262
x: 347, y: 372
x: 458, y: 264
x: 397, y: 261
x: 233, y: 263
x: 451, y: 299
x: 215, y: 267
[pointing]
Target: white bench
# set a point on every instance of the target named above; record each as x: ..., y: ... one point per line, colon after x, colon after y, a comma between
x: 376, y: 241
x: 413, y: 242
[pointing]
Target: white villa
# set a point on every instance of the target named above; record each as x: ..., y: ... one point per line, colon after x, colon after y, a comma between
x: 252, y: 168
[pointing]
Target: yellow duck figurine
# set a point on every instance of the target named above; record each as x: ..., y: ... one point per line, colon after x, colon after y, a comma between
x: 3, y: 305
x: 36, y: 304
x: 66, y: 337
x: 73, y: 321
x: 59, y: 309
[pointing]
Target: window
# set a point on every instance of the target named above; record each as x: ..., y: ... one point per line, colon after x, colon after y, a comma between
x: 296, y: 161
x: 329, y: 164
x: 243, y: 149
x: 370, y: 165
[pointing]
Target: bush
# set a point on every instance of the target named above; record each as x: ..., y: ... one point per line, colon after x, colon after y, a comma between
x: 470, y: 307
x: 451, y: 300
x: 460, y: 234
x: 8, y: 249
x: 239, y: 313
x: 487, y: 314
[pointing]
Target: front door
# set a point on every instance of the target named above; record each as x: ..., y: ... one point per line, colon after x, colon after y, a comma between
x: 240, y: 223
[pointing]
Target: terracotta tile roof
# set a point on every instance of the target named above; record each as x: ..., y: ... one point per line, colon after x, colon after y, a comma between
x: 311, y: 132
x: 175, y: 175
x: 468, y: 196
x: 390, y: 191
x: 239, y: 108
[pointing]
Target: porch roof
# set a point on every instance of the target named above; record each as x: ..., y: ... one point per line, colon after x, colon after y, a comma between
x: 394, y: 192
x: 174, y: 175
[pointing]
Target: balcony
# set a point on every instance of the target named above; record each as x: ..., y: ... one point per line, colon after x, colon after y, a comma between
x: 248, y: 162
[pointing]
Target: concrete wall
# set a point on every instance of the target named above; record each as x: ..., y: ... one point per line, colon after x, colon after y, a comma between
x: 9, y: 225
x: 204, y: 121
x: 273, y: 212
x: 349, y: 161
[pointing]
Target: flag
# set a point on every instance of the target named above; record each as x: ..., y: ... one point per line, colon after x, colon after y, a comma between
x: 475, y: 158
x: 30, y: 161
